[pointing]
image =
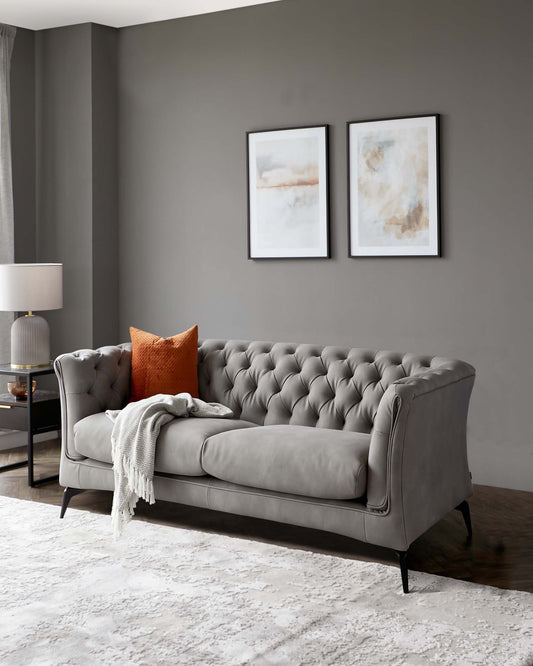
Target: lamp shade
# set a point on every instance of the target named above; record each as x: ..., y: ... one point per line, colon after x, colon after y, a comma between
x: 31, y: 287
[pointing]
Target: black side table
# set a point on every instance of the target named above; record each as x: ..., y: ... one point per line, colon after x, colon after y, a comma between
x: 41, y: 412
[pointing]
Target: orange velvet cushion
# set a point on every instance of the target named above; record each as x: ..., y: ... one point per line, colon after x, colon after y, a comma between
x: 163, y: 365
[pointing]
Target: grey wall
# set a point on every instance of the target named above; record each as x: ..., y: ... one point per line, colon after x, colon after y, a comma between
x: 188, y: 91
x: 76, y: 218
x: 64, y: 169
x: 22, y: 104
x: 104, y: 186
x: 23, y: 143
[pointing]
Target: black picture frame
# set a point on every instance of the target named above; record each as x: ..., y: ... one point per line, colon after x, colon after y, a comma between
x: 279, y: 204
x: 433, y: 246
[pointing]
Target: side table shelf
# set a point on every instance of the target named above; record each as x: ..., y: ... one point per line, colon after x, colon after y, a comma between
x: 40, y: 413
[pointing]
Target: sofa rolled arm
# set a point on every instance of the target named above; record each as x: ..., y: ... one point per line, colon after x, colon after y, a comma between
x: 91, y: 381
x: 418, y: 454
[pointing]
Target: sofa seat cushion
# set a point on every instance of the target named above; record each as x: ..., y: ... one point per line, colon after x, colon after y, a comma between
x: 179, y: 444
x: 314, y: 462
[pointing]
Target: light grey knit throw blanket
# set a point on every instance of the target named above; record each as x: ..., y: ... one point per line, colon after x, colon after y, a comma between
x: 133, y: 444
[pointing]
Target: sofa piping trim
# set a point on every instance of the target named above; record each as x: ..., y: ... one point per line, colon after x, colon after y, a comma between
x: 385, y: 505
x: 364, y: 510
x: 209, y: 480
x: 64, y: 412
x: 402, y: 471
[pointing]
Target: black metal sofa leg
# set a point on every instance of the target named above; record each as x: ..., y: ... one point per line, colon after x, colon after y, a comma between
x: 68, y: 494
x: 402, y: 554
x: 465, y: 510
x: 402, y: 557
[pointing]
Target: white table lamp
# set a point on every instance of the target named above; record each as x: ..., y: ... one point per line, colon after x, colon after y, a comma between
x: 29, y: 287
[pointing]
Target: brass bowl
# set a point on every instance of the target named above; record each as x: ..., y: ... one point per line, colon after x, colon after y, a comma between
x: 20, y: 389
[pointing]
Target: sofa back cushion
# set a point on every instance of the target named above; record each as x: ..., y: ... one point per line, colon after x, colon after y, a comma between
x: 325, y: 387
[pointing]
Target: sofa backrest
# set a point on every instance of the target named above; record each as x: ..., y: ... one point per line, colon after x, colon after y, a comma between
x: 325, y: 387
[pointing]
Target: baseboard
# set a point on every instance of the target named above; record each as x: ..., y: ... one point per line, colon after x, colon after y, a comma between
x: 10, y: 439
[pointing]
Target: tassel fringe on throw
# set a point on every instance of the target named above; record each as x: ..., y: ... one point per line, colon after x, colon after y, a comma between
x: 133, y: 444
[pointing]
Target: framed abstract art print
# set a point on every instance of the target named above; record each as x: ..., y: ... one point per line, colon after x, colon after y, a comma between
x: 288, y: 193
x: 394, y: 187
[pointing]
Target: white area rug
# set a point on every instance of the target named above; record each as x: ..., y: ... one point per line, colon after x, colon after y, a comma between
x: 69, y: 594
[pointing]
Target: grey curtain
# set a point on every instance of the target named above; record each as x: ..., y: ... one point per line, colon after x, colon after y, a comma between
x: 7, y: 38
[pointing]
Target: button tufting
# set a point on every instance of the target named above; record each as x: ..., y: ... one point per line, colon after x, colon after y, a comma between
x: 347, y: 383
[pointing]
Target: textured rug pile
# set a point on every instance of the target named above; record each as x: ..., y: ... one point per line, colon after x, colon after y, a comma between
x: 70, y: 594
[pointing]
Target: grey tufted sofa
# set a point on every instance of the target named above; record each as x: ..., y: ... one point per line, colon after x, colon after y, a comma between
x: 367, y: 444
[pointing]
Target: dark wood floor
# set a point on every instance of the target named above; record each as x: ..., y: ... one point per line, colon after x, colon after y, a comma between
x: 500, y: 554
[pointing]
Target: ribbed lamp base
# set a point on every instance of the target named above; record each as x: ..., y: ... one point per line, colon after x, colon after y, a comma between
x: 30, y: 342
